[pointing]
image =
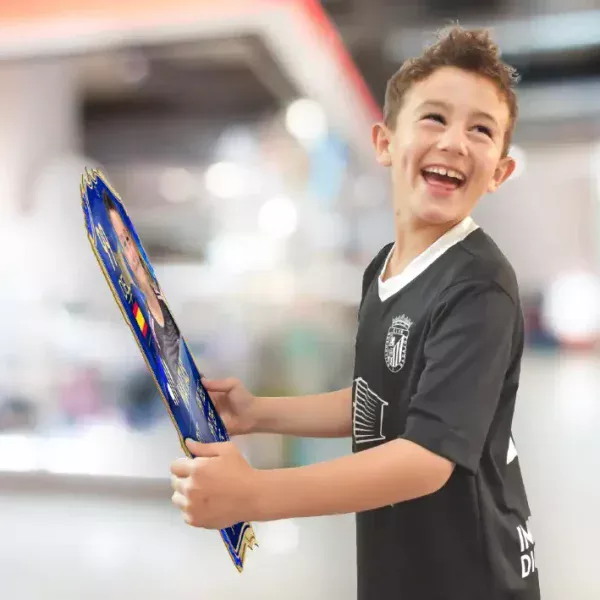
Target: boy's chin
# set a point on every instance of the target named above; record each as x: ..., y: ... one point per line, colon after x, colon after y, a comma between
x: 437, y: 215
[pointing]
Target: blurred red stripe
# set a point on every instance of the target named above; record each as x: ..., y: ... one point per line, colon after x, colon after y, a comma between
x: 329, y: 32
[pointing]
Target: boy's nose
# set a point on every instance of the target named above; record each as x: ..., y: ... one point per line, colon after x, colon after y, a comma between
x: 453, y: 140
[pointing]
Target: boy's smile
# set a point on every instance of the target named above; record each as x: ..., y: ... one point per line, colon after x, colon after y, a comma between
x: 447, y: 148
x: 442, y: 180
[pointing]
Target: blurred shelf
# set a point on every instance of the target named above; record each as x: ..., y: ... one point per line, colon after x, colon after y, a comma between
x: 97, y: 485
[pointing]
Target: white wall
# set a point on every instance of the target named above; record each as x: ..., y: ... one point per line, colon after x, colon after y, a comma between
x: 546, y: 220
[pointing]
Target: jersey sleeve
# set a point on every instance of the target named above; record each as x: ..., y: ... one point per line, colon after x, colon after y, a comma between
x: 468, y: 351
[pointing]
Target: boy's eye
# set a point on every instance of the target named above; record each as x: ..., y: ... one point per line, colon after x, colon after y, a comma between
x: 483, y: 129
x: 435, y: 117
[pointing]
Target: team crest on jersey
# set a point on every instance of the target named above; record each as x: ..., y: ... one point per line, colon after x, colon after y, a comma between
x: 396, y: 342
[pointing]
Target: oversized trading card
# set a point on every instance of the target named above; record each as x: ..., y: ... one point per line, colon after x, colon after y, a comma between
x: 136, y: 290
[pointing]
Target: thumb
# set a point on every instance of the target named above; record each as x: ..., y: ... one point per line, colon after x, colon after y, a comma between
x: 220, y: 385
x: 204, y: 449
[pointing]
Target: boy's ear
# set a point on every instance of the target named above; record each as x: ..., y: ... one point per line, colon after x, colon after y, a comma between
x: 382, y: 140
x: 503, y: 171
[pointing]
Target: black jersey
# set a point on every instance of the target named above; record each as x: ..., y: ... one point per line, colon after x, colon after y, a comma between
x: 168, y: 340
x: 438, y: 354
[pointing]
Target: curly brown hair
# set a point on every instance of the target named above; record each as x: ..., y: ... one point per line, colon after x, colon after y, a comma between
x: 470, y: 50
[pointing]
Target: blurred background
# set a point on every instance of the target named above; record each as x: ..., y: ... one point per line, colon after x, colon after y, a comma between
x: 238, y: 135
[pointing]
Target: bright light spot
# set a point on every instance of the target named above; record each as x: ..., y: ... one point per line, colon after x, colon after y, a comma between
x: 571, y: 308
x: 177, y: 185
x: 306, y: 120
x: 226, y: 180
x: 280, y: 537
x: 278, y: 217
x: 243, y: 253
x: 518, y: 154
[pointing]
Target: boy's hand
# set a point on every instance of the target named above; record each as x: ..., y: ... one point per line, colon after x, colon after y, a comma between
x: 214, y: 490
x: 234, y: 403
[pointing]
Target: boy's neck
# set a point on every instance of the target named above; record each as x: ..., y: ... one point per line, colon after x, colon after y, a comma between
x: 411, y: 240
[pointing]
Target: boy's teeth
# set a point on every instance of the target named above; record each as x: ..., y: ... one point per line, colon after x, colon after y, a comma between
x: 444, y: 171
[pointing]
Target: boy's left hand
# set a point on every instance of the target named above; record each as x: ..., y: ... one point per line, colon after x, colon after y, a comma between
x: 215, y: 489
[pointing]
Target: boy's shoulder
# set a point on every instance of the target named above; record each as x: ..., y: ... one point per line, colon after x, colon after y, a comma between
x: 480, y: 259
x: 379, y: 258
x: 372, y: 269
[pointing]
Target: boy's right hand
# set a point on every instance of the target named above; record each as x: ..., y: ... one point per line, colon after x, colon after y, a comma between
x: 234, y: 403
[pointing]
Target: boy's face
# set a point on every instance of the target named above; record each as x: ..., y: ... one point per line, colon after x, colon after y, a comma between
x: 129, y: 248
x: 451, y: 120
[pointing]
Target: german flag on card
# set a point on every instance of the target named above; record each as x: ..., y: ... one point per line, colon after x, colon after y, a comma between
x: 139, y: 319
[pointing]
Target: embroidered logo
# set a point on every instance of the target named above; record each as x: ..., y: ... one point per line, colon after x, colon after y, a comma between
x: 395, y: 343
x: 367, y: 423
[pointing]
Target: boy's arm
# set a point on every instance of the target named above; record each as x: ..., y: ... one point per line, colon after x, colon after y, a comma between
x: 318, y: 415
x: 219, y: 488
x: 393, y: 472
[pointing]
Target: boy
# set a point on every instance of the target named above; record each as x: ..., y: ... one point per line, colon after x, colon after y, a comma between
x: 434, y: 477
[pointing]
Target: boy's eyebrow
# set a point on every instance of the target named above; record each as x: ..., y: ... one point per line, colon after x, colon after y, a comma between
x: 441, y: 104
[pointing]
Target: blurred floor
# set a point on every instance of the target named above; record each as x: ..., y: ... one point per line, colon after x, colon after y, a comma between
x: 128, y: 547
x: 131, y: 544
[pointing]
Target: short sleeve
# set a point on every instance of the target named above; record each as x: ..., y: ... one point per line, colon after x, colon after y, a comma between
x: 468, y: 352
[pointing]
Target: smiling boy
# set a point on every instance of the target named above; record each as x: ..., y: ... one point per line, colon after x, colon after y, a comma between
x: 434, y: 476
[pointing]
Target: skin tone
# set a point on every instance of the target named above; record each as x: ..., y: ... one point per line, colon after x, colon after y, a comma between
x: 452, y: 119
x: 135, y: 264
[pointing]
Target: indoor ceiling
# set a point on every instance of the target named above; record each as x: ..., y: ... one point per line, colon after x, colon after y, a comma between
x: 238, y: 79
x: 216, y: 79
x: 380, y: 34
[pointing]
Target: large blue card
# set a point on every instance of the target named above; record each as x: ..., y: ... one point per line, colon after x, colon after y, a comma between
x: 137, y: 292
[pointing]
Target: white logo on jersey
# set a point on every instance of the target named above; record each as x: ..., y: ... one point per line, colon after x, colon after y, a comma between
x: 395, y: 343
x: 368, y: 414
x: 527, y: 547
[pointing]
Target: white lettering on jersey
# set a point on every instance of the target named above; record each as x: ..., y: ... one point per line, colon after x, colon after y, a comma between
x: 395, y: 343
x: 527, y: 547
x: 368, y: 414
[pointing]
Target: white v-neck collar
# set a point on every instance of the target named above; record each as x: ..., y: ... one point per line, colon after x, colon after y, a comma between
x: 394, y: 284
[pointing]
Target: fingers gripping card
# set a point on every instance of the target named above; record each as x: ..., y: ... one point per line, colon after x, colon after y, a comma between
x: 135, y: 288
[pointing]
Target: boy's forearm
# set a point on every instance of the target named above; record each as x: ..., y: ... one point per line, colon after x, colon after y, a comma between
x: 326, y: 415
x: 388, y: 474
